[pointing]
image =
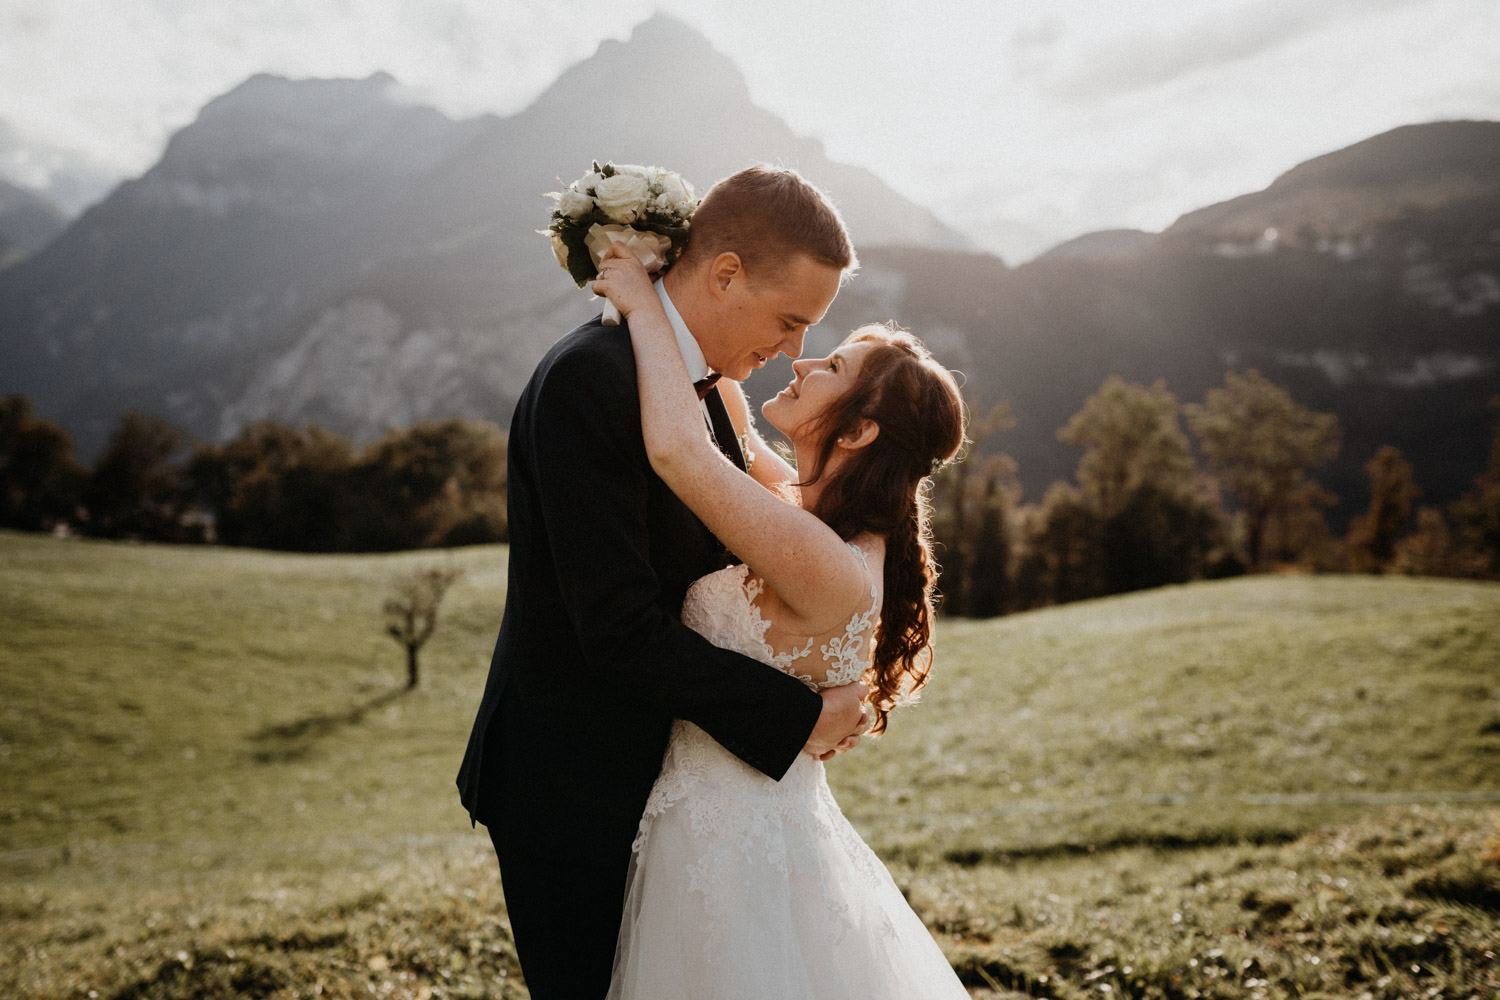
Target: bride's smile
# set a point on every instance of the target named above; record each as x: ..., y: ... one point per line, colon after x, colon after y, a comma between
x: 816, y: 384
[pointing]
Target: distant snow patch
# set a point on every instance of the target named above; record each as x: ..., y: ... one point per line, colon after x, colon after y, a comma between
x: 1339, y: 367
x: 1344, y: 367
x: 1464, y: 295
x: 1445, y: 366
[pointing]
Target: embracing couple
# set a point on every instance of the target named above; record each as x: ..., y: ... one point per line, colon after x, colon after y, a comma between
x: 648, y: 754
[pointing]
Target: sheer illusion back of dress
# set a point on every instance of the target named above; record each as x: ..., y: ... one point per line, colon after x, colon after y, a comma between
x: 744, y: 888
x: 734, y: 620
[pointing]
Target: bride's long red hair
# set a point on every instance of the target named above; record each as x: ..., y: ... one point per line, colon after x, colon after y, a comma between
x: 883, y: 489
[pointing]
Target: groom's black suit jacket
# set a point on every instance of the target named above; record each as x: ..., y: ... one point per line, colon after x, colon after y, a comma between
x: 592, y: 664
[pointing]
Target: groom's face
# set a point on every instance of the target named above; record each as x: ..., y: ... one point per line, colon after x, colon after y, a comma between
x: 758, y: 319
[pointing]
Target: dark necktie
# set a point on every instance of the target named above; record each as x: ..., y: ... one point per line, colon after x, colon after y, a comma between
x: 719, y: 424
x: 704, y: 384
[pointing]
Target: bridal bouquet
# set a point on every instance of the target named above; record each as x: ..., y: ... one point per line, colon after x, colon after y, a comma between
x: 646, y: 208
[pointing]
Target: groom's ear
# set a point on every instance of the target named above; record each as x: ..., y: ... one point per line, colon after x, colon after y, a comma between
x: 724, y: 270
x: 867, y: 431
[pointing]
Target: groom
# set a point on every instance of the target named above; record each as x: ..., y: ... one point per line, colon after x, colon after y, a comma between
x: 592, y: 663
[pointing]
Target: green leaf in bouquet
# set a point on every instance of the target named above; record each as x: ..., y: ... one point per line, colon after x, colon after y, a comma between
x: 580, y: 261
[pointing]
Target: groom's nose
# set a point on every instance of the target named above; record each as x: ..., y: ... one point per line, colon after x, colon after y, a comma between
x: 791, y: 346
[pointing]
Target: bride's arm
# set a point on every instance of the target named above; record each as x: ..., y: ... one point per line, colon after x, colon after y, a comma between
x: 765, y: 465
x: 802, y: 559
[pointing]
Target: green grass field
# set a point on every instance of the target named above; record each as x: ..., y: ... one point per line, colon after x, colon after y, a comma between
x: 214, y: 785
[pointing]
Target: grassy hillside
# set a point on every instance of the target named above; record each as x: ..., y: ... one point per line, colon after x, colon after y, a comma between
x: 1254, y: 708
x: 214, y: 785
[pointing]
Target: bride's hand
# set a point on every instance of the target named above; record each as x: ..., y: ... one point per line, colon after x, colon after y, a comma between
x: 624, y: 281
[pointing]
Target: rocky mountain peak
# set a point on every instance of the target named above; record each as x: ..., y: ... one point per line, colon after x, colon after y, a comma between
x: 271, y: 126
x: 663, y: 57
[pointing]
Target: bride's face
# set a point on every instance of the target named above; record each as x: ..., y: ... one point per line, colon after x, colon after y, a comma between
x: 816, y: 384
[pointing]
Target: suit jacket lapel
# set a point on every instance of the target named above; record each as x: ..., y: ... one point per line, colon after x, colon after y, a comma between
x: 723, y: 428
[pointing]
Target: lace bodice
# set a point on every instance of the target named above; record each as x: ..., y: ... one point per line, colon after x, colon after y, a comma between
x: 721, y: 607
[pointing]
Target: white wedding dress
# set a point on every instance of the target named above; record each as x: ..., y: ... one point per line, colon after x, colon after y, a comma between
x: 744, y: 888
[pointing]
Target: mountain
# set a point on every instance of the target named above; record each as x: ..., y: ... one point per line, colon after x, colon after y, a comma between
x: 1366, y: 281
x: 27, y: 223
x: 1440, y: 179
x: 326, y: 250
x: 1105, y: 244
x: 329, y: 251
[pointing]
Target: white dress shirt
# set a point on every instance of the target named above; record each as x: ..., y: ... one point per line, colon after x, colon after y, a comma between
x: 687, y: 345
x: 692, y: 354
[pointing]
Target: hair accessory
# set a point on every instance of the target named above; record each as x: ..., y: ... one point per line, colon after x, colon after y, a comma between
x: 938, y: 465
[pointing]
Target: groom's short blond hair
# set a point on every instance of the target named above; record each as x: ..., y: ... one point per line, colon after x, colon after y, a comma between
x: 768, y: 215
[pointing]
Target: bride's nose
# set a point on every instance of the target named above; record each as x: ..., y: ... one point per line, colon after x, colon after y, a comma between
x: 800, y: 366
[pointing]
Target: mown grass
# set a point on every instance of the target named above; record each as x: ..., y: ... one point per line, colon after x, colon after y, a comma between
x: 215, y: 786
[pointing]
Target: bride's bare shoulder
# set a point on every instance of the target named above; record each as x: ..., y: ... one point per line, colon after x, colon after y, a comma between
x: 862, y: 573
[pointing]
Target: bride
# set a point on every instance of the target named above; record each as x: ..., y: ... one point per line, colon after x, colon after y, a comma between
x: 744, y: 888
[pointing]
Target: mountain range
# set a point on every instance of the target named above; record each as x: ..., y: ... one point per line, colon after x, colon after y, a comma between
x: 28, y: 222
x: 330, y: 251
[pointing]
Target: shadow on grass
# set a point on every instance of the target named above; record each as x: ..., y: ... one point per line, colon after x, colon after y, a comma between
x: 969, y: 858
x: 296, y: 740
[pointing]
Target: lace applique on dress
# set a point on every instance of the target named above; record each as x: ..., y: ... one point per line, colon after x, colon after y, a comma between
x: 845, y: 652
x: 754, y: 587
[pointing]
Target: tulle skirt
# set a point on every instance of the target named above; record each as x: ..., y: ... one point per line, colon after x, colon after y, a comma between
x: 743, y: 888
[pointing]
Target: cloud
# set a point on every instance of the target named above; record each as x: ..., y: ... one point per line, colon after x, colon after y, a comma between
x: 1143, y: 61
x: 1043, y: 32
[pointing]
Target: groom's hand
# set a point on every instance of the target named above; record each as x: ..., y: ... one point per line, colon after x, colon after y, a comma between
x: 842, y: 720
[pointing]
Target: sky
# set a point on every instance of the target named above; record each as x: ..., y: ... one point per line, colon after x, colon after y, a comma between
x: 1021, y: 122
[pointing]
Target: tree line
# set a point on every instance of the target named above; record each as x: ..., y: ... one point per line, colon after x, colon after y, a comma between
x: 1140, y: 512
x: 438, y: 483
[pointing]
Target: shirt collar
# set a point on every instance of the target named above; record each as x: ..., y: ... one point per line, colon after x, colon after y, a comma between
x: 692, y: 354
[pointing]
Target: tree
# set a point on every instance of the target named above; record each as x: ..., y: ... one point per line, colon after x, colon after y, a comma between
x: 137, y: 489
x: 957, y: 490
x: 1061, y: 556
x: 40, y: 483
x: 1476, y: 515
x: 436, y: 483
x: 1139, y: 516
x: 1261, y: 444
x: 1373, y: 535
x: 1428, y: 551
x: 989, y: 575
x: 1161, y: 536
x: 412, y: 611
x: 277, y: 487
x: 1297, y: 531
x: 1131, y: 436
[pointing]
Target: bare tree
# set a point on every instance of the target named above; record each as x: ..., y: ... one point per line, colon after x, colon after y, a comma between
x: 412, y: 611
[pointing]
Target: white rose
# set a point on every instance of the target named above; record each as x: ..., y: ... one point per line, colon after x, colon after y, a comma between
x: 574, y: 204
x: 677, y: 191
x: 635, y: 170
x: 587, y: 181
x: 622, y: 197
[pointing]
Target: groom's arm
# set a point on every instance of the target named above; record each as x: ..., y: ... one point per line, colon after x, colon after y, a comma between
x: 593, y: 476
